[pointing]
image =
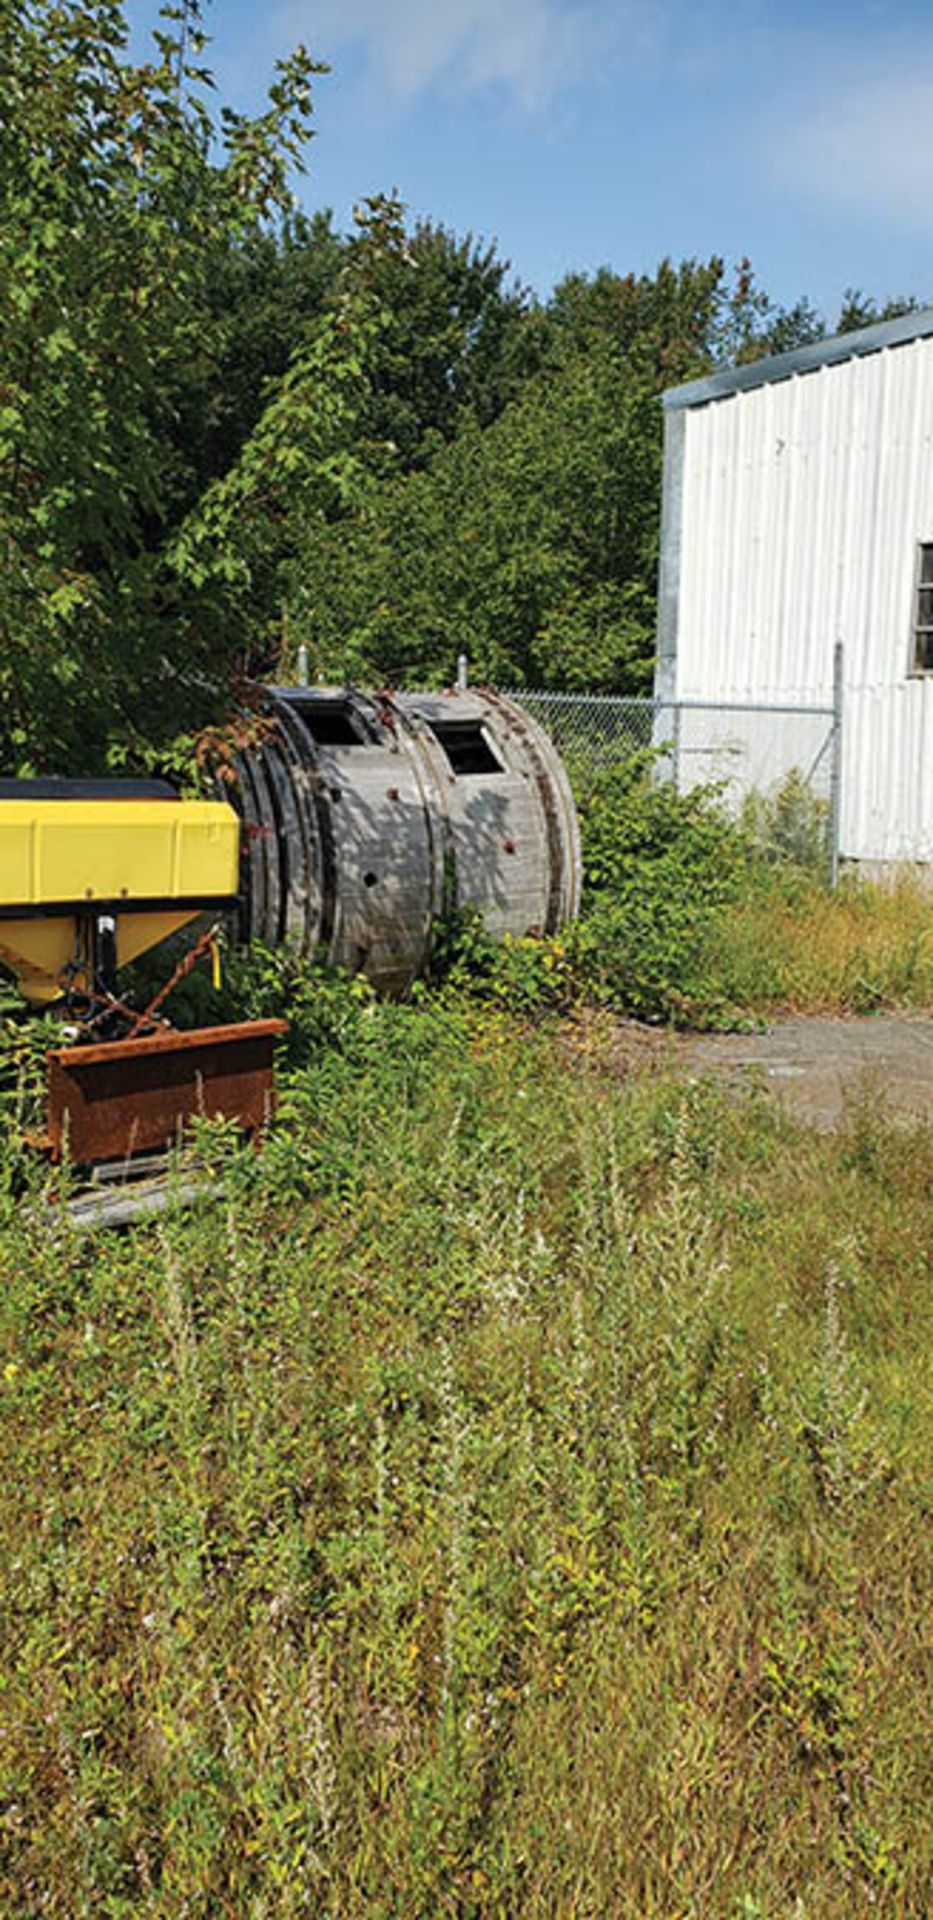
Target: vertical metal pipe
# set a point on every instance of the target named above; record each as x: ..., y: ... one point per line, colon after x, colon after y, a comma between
x: 461, y: 673
x: 835, y: 769
x: 676, y: 725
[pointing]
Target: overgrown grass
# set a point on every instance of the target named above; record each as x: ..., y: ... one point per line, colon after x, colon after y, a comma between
x: 509, y: 1497
x: 866, y: 946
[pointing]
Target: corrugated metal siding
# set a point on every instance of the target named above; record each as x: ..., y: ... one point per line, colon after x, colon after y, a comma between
x: 803, y: 503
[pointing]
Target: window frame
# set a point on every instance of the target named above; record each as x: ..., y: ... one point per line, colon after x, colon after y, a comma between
x: 921, y: 632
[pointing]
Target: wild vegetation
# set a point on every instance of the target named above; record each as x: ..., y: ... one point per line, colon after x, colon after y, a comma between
x: 507, y: 1495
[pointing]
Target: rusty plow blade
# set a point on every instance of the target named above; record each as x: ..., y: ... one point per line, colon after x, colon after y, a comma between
x: 125, y: 1097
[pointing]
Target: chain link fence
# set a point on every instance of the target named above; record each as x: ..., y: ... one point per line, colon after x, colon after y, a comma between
x: 775, y: 767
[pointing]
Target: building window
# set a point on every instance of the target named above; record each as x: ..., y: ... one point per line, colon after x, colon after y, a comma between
x: 922, y: 649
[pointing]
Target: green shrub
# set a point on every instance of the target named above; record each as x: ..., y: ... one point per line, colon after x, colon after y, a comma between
x: 660, y: 870
x: 24, y: 1040
x: 632, y: 821
x: 524, y: 974
x: 790, y: 824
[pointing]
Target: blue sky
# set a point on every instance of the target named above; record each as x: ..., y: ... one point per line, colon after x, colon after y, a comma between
x: 581, y: 132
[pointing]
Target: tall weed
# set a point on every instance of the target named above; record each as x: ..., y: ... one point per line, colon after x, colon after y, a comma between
x: 507, y: 1496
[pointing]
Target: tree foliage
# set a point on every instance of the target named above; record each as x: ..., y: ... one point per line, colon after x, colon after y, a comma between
x: 530, y: 542
x: 530, y: 545
x: 118, y: 195
x: 670, y: 316
x: 309, y: 459
x: 860, y: 310
x: 267, y: 293
x: 455, y: 339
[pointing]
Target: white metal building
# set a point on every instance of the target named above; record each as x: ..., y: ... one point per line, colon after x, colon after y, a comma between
x: 798, y: 513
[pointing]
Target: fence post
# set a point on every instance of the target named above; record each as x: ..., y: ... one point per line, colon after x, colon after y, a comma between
x: 835, y: 770
x: 676, y: 723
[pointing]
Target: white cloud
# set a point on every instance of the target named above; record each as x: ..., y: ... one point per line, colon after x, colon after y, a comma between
x: 869, y: 146
x: 529, y: 48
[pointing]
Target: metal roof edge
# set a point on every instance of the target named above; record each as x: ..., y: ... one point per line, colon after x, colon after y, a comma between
x: 782, y: 366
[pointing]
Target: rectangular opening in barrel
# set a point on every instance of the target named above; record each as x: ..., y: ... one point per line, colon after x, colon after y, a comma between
x: 330, y: 723
x: 467, y: 746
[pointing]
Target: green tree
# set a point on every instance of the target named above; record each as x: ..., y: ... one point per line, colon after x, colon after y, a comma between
x: 530, y: 545
x: 860, y: 310
x: 671, y: 316
x: 309, y: 461
x: 688, y: 318
x: 119, y: 196
x: 529, y: 542
x: 749, y: 325
x: 268, y: 291
x: 455, y: 339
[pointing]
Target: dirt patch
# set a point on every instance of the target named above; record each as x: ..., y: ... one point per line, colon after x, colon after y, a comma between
x: 815, y: 1065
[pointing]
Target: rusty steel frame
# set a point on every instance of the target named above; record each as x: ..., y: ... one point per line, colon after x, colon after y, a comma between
x: 124, y: 1097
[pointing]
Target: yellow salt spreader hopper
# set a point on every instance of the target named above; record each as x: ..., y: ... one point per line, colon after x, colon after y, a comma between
x: 92, y: 874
